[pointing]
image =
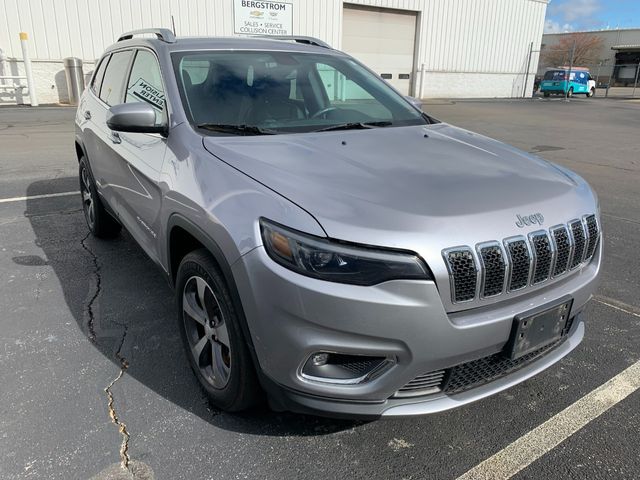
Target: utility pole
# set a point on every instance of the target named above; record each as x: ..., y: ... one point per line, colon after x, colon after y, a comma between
x: 526, y: 75
x: 573, y: 52
x: 635, y: 83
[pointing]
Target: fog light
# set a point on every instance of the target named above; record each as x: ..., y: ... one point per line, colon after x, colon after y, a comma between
x: 343, y: 368
x: 319, y: 359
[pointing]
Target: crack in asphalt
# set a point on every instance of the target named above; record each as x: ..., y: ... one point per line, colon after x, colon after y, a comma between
x: 98, y: 277
x: 125, y: 459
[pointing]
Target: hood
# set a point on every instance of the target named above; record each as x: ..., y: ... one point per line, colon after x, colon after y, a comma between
x: 367, y: 186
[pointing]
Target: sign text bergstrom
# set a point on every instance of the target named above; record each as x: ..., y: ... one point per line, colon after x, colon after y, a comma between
x: 262, y: 18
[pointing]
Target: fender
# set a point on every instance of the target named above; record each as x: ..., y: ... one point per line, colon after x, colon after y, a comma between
x: 177, y: 220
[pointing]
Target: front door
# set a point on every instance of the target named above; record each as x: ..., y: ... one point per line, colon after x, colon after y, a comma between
x: 140, y: 156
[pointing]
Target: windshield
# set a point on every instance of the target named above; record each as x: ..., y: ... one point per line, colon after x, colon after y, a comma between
x: 285, y: 92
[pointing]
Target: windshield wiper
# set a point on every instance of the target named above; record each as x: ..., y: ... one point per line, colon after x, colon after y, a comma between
x: 354, y: 126
x: 237, y: 129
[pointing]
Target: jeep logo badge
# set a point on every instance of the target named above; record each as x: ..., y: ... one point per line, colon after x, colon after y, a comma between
x: 528, y: 220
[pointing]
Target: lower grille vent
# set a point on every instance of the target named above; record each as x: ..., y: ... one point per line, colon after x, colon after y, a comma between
x: 423, y: 384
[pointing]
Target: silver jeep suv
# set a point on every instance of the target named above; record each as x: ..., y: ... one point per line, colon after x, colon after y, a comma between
x: 329, y: 243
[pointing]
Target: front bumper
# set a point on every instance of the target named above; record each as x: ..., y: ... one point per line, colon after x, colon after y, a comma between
x: 290, y: 317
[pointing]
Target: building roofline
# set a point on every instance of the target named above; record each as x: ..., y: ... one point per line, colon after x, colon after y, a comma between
x: 601, y: 30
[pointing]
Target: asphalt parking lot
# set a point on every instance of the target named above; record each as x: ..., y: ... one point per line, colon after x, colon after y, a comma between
x: 75, y: 309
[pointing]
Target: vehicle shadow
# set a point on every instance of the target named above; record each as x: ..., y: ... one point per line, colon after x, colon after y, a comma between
x: 122, y: 303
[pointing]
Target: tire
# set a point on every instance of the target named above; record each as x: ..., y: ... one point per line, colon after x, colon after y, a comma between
x: 212, y: 335
x: 570, y: 93
x: 546, y: 94
x: 100, y: 222
x: 591, y: 93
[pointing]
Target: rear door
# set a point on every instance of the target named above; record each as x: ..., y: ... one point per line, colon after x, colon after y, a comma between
x: 102, y: 147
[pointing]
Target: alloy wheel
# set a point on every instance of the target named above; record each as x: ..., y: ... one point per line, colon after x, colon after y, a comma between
x: 87, y: 200
x: 206, y: 331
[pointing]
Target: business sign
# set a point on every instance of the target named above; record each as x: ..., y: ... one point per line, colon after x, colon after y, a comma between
x: 262, y: 18
x: 143, y: 90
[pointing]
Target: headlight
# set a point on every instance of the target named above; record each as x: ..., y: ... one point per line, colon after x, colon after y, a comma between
x: 339, y: 262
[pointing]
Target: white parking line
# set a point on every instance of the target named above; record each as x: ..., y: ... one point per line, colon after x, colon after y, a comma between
x: 32, y: 197
x: 617, y: 305
x: 528, y: 448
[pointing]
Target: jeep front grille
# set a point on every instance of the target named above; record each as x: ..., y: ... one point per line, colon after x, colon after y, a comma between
x: 579, y: 242
x: 495, y: 268
x: 463, y: 273
x: 520, y: 259
x: 563, y: 247
x: 593, y: 235
x: 543, y: 254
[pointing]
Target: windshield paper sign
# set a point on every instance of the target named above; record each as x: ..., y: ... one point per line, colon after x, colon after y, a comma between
x: 252, y: 17
x: 146, y: 92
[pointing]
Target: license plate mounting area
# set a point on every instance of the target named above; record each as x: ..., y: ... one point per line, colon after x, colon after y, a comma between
x: 538, y: 328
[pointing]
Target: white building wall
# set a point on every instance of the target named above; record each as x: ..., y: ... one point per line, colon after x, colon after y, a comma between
x: 469, y: 48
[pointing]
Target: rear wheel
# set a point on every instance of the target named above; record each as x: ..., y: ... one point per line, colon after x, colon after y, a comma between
x: 546, y: 94
x: 212, y: 335
x: 100, y: 223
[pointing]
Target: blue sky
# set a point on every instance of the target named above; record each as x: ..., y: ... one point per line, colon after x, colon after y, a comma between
x: 570, y: 15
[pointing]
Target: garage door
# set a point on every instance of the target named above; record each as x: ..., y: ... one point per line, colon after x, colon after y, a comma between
x: 384, y: 40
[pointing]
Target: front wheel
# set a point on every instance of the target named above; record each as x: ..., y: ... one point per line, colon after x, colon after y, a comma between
x: 546, y: 94
x: 211, y: 332
x: 591, y: 93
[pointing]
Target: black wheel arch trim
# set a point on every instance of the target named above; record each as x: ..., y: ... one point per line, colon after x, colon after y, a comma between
x: 177, y: 220
x: 106, y: 206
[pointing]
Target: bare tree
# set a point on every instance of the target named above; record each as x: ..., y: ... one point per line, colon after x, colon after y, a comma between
x: 587, y: 50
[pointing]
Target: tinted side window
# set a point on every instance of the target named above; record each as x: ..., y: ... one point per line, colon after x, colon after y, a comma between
x: 112, y: 89
x: 145, y: 83
x: 99, y: 75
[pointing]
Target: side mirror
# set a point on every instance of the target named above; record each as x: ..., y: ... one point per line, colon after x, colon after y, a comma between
x: 416, y: 102
x: 137, y: 117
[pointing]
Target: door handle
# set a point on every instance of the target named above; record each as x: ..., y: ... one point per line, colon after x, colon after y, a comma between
x: 115, y: 137
x: 87, y: 114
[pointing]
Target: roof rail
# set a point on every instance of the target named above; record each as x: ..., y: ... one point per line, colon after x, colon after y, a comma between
x: 298, y: 39
x: 163, y: 34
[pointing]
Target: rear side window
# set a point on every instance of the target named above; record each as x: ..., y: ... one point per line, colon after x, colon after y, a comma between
x: 112, y: 88
x: 99, y: 76
x: 555, y: 75
x: 145, y: 83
